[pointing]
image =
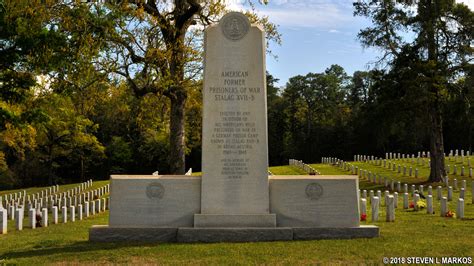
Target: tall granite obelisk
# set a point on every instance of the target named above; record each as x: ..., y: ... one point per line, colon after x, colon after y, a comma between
x: 234, y: 146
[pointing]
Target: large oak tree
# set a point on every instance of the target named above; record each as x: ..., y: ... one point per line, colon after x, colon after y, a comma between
x: 431, y: 39
x: 157, y: 47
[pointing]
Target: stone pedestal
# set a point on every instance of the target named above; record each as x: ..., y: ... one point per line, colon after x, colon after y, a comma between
x: 234, y: 220
x: 154, y: 201
x: 163, y: 209
x: 315, y: 201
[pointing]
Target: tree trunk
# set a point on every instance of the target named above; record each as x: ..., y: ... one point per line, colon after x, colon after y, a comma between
x: 177, y: 94
x: 82, y: 168
x: 470, y: 137
x: 177, y: 143
x: 438, y: 170
x: 50, y: 166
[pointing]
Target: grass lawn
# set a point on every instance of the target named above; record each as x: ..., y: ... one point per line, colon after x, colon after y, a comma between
x: 412, y: 234
x: 326, y: 169
x: 286, y: 170
x: 277, y: 170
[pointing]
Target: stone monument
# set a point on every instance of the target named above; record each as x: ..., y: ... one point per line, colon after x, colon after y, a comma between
x: 234, y: 144
x: 234, y: 200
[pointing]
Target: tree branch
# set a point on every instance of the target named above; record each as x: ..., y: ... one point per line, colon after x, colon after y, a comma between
x: 184, y: 18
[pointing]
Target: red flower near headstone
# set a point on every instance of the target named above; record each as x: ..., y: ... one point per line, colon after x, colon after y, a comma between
x: 363, y: 217
x: 450, y: 214
x: 412, y: 205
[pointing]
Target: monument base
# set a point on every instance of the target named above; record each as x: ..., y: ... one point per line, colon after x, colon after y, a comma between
x: 250, y: 234
x: 168, y: 209
x: 104, y: 233
x: 234, y: 220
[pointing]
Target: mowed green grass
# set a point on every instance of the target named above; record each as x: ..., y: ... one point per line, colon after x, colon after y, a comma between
x: 277, y: 170
x: 286, y: 170
x: 412, y: 234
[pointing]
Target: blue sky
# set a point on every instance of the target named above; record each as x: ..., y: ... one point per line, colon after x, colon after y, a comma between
x: 315, y: 35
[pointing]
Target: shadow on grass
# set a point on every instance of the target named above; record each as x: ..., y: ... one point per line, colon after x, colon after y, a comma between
x: 70, y: 250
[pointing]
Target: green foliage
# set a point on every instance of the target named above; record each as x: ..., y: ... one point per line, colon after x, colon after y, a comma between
x: 67, y: 135
x: 87, y: 89
x: 310, y: 110
x: 120, y: 154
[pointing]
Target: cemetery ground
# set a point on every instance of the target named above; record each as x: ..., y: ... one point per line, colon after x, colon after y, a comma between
x: 413, y: 234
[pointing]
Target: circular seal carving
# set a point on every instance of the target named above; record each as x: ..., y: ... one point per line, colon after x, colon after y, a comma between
x: 314, y: 191
x: 155, y: 191
x: 234, y: 25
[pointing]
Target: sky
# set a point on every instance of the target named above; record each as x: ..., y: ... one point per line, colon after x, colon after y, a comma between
x: 315, y: 35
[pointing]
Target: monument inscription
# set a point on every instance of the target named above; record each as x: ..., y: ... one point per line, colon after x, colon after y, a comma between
x: 235, y: 159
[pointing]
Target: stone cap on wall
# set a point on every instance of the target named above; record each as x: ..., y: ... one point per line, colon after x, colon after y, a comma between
x: 315, y: 177
x: 154, y: 177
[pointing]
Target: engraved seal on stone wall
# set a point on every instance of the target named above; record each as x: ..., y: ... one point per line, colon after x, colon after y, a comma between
x: 155, y: 191
x: 314, y: 191
x: 234, y: 25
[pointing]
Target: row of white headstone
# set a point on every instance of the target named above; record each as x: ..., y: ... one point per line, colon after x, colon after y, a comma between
x: 67, y: 213
x: 420, y: 159
x: 455, y: 154
x: 376, y: 178
x: 73, y: 196
x: 365, y: 174
x: 391, y: 203
x: 379, y: 161
x: 403, y: 169
x: 19, y: 198
x: 62, y: 200
x: 391, y: 156
x: 340, y: 163
x: 305, y: 167
x: 76, y: 198
x: 462, y: 171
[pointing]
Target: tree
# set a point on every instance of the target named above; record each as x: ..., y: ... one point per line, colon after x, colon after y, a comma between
x: 155, y: 48
x: 276, y: 123
x: 314, y: 108
x: 26, y: 46
x: 359, y: 89
x: 66, y: 139
x: 460, y: 112
x: 439, y: 50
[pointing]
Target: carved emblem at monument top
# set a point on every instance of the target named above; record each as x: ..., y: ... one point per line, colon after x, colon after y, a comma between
x: 235, y: 26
